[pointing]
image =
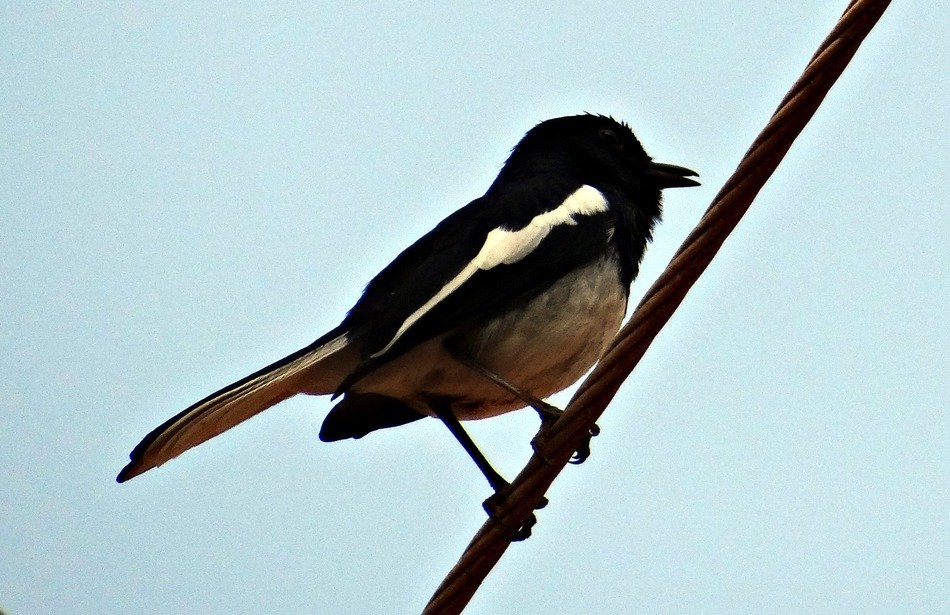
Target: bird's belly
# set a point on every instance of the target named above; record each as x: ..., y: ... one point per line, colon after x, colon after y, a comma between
x: 542, y: 347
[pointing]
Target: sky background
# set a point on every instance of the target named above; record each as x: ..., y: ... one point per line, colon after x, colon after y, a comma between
x: 191, y: 191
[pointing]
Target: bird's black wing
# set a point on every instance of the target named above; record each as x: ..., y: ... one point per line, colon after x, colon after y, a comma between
x: 499, y: 250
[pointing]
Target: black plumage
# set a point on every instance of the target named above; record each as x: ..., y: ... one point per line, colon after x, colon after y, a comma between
x: 525, y: 284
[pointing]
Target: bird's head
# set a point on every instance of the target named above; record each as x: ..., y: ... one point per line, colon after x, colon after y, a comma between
x: 595, y: 149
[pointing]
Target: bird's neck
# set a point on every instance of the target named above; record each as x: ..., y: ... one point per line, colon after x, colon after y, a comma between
x: 633, y: 224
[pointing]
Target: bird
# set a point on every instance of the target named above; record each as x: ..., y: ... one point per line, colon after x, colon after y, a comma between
x: 506, y: 301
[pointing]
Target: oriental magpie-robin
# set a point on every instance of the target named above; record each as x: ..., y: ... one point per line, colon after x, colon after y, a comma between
x: 506, y: 301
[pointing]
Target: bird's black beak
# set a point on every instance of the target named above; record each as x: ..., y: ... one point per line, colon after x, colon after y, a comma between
x: 670, y: 175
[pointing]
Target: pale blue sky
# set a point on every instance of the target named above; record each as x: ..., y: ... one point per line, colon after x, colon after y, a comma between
x: 188, y: 192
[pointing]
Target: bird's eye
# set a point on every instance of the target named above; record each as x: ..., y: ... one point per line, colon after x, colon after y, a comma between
x: 610, y: 137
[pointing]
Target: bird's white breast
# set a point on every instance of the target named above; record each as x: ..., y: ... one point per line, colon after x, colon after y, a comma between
x: 541, y: 347
x: 554, y: 339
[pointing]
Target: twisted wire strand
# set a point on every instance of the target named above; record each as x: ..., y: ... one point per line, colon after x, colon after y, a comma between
x: 657, y: 306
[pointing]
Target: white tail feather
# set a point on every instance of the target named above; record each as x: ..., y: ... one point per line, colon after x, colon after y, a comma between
x: 310, y: 372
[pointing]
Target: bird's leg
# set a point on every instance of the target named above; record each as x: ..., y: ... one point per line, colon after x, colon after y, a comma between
x: 549, y: 413
x: 443, y: 410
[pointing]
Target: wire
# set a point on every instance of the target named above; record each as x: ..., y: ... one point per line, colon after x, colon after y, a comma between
x: 656, y: 308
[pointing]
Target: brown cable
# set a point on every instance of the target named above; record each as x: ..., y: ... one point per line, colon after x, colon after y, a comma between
x: 656, y: 308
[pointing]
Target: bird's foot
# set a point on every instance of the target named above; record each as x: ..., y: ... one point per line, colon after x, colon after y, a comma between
x: 549, y: 414
x: 493, y: 507
x: 583, y: 452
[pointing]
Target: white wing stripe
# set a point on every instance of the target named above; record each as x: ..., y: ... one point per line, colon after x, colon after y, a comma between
x: 504, y: 247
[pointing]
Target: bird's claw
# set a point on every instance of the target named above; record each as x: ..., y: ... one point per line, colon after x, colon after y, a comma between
x: 582, y: 453
x: 492, y: 505
x: 549, y: 414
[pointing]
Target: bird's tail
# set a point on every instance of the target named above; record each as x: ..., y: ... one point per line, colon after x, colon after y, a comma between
x: 316, y: 369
